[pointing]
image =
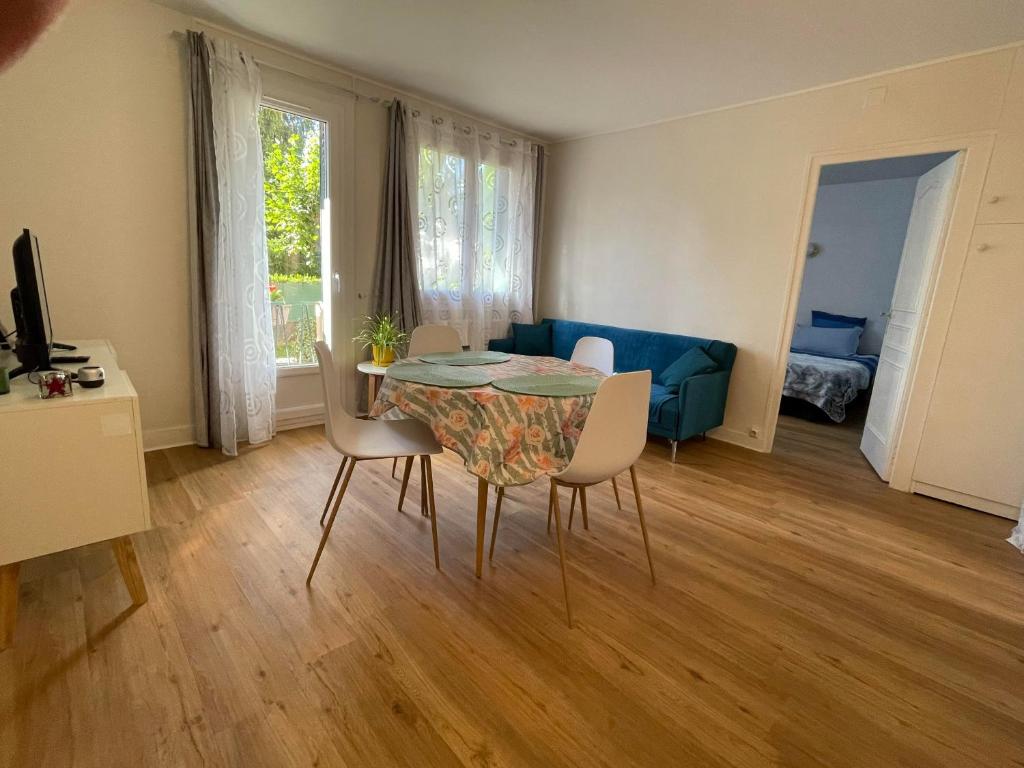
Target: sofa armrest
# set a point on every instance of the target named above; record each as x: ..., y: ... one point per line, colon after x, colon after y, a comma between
x: 502, y: 345
x: 702, y: 403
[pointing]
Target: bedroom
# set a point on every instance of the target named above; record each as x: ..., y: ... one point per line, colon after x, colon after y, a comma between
x: 876, y: 225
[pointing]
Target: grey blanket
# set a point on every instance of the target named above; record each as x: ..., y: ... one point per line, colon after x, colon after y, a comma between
x: 829, y: 383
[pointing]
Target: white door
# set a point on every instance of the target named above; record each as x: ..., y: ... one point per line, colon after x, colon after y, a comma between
x: 920, y: 248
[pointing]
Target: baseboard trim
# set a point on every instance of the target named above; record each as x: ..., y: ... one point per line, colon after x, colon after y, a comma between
x: 167, y: 437
x: 299, y: 416
x: 966, y: 500
x: 184, y: 434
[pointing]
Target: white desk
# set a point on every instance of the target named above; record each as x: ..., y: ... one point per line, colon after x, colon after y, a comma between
x: 71, y: 473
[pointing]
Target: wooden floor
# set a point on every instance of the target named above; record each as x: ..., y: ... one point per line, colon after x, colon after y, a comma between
x: 805, y: 615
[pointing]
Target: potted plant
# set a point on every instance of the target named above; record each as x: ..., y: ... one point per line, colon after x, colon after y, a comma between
x: 383, y: 335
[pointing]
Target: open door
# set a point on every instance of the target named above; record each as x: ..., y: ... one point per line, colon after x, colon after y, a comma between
x: 924, y: 238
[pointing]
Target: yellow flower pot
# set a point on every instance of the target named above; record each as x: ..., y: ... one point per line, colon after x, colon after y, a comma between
x: 383, y: 357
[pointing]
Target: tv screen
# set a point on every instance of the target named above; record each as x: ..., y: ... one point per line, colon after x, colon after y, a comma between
x: 31, y: 311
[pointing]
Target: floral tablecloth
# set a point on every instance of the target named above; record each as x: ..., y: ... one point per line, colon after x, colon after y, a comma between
x: 505, y: 438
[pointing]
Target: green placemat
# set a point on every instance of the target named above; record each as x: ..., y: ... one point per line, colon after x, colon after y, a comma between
x: 549, y: 384
x: 439, y: 375
x: 466, y: 358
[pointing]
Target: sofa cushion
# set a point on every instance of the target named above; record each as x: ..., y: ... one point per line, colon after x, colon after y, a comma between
x: 660, y: 395
x: 692, y: 362
x: 532, y: 339
x: 638, y: 350
x: 664, y: 407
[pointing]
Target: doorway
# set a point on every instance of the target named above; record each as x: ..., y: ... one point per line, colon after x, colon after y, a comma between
x: 874, y: 243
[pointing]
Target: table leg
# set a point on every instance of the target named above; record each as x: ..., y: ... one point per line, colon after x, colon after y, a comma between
x: 371, y: 393
x: 124, y: 551
x: 8, y: 602
x: 481, y: 522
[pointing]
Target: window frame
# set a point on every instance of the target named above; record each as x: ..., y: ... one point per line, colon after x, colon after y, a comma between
x: 335, y: 107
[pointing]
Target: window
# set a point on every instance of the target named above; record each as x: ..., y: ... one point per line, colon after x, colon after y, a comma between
x: 293, y: 186
x: 474, y: 198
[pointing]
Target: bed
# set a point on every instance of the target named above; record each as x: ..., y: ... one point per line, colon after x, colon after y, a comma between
x: 830, y: 383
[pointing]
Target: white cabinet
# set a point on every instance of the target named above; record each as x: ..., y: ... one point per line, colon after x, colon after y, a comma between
x: 1003, y: 199
x: 71, y: 473
x: 972, y: 448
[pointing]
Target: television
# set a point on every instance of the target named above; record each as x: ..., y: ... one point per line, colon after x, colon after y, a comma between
x: 31, y: 311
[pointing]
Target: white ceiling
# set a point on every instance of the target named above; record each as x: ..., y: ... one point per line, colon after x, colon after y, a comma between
x: 567, y: 68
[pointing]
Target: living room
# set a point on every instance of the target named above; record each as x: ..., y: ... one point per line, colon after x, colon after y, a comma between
x: 582, y: 235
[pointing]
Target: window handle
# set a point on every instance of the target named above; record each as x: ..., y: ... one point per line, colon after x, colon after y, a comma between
x: 337, y: 283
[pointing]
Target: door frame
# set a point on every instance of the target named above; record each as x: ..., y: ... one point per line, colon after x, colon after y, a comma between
x: 940, y: 289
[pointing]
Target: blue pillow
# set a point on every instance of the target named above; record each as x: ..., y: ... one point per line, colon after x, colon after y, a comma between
x: 830, y: 342
x: 532, y: 339
x: 821, y: 319
x: 692, y: 362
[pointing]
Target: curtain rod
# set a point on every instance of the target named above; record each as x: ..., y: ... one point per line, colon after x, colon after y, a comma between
x: 384, y: 102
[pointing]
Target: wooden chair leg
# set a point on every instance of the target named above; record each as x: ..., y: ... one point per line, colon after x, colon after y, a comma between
x: 433, y: 510
x: 394, y: 467
x: 551, y: 504
x: 482, y: 487
x: 583, y: 508
x: 405, y: 481
x: 615, y: 487
x: 643, y: 525
x: 334, y: 487
x: 124, y: 551
x: 561, y: 553
x: 423, y: 488
x: 572, y: 506
x: 497, y: 514
x: 330, y: 521
x: 8, y: 603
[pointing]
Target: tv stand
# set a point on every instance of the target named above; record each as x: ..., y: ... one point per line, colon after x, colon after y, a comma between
x: 87, y: 448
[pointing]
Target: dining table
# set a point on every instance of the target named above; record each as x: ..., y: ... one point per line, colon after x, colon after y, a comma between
x: 505, y: 438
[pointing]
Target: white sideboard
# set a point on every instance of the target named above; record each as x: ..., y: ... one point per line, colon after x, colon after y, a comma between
x: 72, y: 473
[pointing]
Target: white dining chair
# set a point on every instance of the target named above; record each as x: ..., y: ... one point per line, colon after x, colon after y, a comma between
x: 357, y: 440
x: 612, y: 440
x: 425, y: 340
x: 595, y: 352
x: 599, y: 353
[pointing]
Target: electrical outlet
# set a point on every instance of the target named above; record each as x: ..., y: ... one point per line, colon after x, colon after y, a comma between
x: 755, y: 432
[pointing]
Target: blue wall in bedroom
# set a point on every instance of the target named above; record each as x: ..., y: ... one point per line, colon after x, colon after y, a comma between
x: 861, y: 228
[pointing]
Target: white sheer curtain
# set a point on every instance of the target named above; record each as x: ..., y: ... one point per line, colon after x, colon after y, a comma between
x: 241, y: 338
x: 473, y: 194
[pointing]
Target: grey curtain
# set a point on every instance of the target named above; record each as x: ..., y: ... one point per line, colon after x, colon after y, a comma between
x: 538, y: 229
x: 204, y: 209
x: 395, y: 284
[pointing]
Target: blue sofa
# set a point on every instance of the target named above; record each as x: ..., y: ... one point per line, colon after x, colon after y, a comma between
x: 700, y: 403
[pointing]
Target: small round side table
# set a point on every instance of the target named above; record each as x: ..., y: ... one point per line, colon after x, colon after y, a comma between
x: 376, y: 373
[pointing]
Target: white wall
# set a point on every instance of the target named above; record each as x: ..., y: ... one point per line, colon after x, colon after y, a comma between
x: 93, y: 131
x: 691, y: 226
x: 860, y: 228
x: 94, y: 137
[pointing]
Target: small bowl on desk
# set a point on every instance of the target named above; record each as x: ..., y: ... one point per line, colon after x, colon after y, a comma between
x: 90, y: 376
